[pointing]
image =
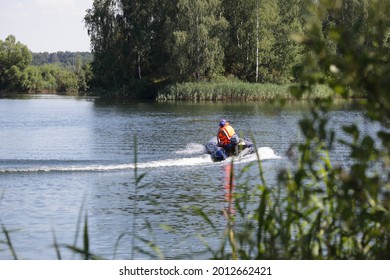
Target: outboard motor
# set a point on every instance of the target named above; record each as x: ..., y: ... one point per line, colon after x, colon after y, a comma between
x: 245, y: 147
x: 235, y: 139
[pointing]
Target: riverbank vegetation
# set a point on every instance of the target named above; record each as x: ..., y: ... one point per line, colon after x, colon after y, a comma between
x: 318, y: 209
x: 152, y: 49
x: 193, y: 42
x: 234, y: 91
x: 23, y: 71
x: 70, y: 60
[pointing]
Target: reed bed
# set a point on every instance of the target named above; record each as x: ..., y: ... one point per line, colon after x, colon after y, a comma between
x: 234, y: 91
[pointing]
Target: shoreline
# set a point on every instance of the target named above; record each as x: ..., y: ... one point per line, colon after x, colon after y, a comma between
x: 203, y: 91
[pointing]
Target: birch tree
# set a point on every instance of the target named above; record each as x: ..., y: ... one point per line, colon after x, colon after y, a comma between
x: 197, y: 51
x: 253, y: 29
x: 102, y: 27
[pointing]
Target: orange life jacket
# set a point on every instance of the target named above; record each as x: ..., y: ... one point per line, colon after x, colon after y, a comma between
x: 224, y: 134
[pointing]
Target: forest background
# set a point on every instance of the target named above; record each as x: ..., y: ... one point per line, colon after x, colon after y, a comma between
x: 142, y: 48
x: 320, y: 210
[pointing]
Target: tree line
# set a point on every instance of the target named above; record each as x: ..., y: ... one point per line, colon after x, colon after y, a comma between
x: 203, y: 40
x: 66, y: 59
x: 23, y: 71
x: 139, y: 46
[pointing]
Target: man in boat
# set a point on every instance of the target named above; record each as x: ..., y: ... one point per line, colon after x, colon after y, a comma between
x: 227, y: 138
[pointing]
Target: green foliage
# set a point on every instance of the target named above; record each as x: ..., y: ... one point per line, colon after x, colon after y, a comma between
x: 200, y: 40
x: 50, y: 78
x: 230, y: 90
x: 193, y: 40
x: 319, y: 210
x: 122, y: 36
x: 100, y: 20
x: 84, y: 76
x: 66, y: 59
x: 18, y: 75
x: 255, y: 33
x: 14, y: 59
x: 197, y: 50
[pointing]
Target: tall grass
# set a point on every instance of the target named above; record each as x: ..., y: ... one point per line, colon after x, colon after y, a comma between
x: 316, y: 211
x: 8, y: 242
x: 233, y: 91
x: 6, y: 234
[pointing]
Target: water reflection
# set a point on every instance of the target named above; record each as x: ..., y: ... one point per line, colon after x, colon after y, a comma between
x: 228, y: 170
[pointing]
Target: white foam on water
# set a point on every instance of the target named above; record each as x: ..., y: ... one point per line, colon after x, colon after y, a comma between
x: 265, y: 153
x: 68, y: 168
x: 190, y: 161
x: 191, y: 149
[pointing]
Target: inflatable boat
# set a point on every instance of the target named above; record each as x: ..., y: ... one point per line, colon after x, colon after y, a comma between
x: 241, y: 148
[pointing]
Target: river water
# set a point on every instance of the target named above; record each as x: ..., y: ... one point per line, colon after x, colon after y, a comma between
x: 64, y: 158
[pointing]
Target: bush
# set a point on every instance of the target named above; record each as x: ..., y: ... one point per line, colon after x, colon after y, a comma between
x: 50, y: 78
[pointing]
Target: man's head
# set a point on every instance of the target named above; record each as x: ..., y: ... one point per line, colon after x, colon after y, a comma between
x: 222, y: 123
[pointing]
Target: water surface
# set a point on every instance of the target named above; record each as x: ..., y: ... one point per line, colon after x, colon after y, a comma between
x: 62, y: 156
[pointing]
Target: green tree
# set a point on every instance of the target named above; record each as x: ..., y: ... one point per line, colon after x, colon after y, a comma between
x: 84, y: 75
x: 67, y: 59
x: 146, y: 27
x: 293, y: 17
x: 36, y: 81
x: 106, y: 44
x: 197, y: 51
x: 351, y: 15
x: 319, y: 210
x: 163, y: 23
x: 267, y: 20
x: 14, y: 59
x: 237, y: 13
x: 53, y: 78
x: 128, y: 40
x: 67, y: 81
x: 254, y: 32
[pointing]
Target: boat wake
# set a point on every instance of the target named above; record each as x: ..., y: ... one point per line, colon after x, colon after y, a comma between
x: 191, y: 155
x: 265, y: 153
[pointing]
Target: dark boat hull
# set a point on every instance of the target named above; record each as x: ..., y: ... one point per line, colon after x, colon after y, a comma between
x: 217, y: 153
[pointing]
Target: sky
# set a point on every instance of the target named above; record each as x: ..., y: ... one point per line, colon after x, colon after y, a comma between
x: 46, y: 25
